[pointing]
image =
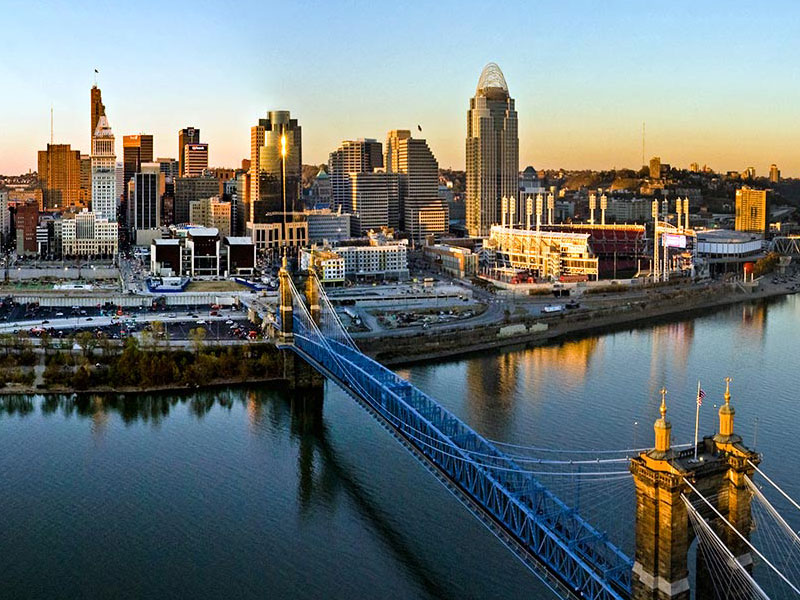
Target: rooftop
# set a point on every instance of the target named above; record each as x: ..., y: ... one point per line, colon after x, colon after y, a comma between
x: 727, y: 236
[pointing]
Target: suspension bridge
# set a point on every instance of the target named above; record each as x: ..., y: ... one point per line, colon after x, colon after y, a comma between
x: 547, y: 505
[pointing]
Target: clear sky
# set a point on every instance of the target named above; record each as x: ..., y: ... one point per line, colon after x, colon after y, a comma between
x: 716, y: 82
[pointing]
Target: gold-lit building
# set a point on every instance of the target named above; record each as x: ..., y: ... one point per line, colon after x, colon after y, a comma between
x: 210, y: 212
x: 60, y: 176
x: 751, y: 210
x: 546, y: 253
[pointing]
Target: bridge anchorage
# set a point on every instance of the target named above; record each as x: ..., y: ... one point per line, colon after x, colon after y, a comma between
x: 677, y: 496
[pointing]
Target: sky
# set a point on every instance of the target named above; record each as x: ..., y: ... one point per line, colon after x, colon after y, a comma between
x: 715, y: 82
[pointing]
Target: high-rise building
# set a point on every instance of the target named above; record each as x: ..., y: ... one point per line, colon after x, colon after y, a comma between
x: 104, y: 176
x: 256, y: 143
x: 422, y: 211
x: 195, y: 159
x: 136, y: 149
x: 188, y: 189
x: 492, y: 150
x: 187, y: 135
x: 169, y: 167
x: 85, y: 191
x: 694, y: 168
x: 273, y: 165
x: 60, y: 176
x: 98, y: 109
x: 655, y: 167
x: 774, y: 173
x: 751, y: 210
x: 353, y: 156
x: 146, y: 201
x: 26, y: 220
x: 373, y: 198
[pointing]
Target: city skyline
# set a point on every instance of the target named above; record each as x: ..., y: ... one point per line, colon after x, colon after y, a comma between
x: 583, y: 82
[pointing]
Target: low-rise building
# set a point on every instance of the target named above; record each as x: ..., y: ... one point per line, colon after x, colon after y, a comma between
x: 166, y: 257
x: 202, y: 257
x: 86, y: 234
x: 330, y: 266
x: 240, y: 256
x: 211, y: 212
x: 452, y: 260
x: 325, y: 225
x: 271, y: 236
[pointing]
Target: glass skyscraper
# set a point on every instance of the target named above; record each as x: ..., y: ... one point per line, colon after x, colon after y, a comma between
x: 492, y: 151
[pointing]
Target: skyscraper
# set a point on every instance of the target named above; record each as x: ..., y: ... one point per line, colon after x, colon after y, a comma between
x: 373, y: 198
x: 422, y: 211
x: 195, y: 159
x: 492, y: 151
x: 104, y: 178
x: 146, y: 202
x: 187, y: 135
x: 774, y: 173
x: 270, y: 183
x: 751, y: 210
x: 353, y: 156
x: 256, y: 143
x: 60, y: 176
x: 136, y: 149
x: 98, y: 109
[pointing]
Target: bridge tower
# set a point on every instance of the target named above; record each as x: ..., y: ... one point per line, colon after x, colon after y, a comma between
x: 663, y: 531
x: 312, y: 293
x: 285, y: 308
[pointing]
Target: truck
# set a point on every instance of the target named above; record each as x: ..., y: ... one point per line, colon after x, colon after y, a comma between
x: 553, y: 308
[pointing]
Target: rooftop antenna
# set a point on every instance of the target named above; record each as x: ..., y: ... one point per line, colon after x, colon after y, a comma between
x: 643, y: 163
x: 51, y: 124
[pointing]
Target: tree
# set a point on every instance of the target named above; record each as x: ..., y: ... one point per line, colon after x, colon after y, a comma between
x: 87, y: 341
x: 197, y: 337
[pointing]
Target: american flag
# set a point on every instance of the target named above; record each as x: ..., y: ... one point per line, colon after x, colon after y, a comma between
x: 700, y: 395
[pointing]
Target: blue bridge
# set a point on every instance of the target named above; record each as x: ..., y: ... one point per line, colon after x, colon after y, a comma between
x: 566, y: 552
x: 571, y: 556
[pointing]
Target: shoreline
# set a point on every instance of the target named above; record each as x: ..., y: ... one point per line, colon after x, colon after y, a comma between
x: 457, y: 344
x: 572, y: 328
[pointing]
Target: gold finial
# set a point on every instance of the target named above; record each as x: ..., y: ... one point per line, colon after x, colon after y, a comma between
x: 728, y: 390
x: 663, y: 402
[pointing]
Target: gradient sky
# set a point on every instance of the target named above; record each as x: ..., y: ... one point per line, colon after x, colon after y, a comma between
x: 716, y: 82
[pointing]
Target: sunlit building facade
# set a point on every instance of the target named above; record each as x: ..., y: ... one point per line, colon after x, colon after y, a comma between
x: 104, y: 177
x: 751, y: 210
x: 492, y: 151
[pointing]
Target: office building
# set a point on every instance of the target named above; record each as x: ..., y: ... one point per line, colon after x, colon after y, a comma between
x: 274, y: 166
x: 85, y: 190
x: 751, y: 210
x: 202, y: 251
x: 104, y: 176
x: 240, y: 255
x: 86, y: 234
x: 321, y: 188
x: 169, y: 167
x: 422, y: 212
x: 145, y: 204
x: 26, y: 220
x: 195, y: 160
x: 373, y: 198
x: 188, y: 189
x: 97, y: 108
x: 774, y: 173
x: 136, y: 149
x: 60, y: 176
x: 353, y: 156
x: 256, y: 143
x: 492, y: 150
x: 5, y: 217
x: 655, y: 167
x: 211, y: 212
x: 187, y: 135
x: 324, y: 225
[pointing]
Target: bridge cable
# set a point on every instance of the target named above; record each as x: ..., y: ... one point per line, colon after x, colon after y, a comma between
x: 744, y: 539
x: 722, y: 564
x: 775, y: 485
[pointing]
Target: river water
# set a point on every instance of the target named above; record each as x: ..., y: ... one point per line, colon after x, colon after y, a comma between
x: 250, y: 493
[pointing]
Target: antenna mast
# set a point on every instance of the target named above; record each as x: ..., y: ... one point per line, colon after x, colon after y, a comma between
x: 51, y: 124
x: 643, y: 163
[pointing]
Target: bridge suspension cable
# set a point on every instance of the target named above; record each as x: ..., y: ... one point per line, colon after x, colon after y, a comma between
x: 730, y: 578
x: 775, y: 485
x: 744, y: 539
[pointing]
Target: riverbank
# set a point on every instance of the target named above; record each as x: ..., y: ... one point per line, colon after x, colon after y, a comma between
x: 451, y: 343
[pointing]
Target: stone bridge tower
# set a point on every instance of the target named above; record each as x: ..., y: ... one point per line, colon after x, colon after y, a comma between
x: 663, y: 530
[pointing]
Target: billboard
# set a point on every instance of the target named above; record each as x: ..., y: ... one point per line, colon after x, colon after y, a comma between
x: 674, y: 240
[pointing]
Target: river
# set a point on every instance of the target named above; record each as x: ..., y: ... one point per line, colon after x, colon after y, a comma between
x: 250, y: 493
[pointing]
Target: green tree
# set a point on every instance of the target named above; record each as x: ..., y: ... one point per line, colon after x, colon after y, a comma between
x: 197, y: 336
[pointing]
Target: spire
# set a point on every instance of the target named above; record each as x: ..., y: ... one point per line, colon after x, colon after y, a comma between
x: 662, y: 427
x: 726, y: 413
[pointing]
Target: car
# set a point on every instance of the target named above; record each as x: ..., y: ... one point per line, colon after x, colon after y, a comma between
x: 229, y: 322
x: 45, y: 322
x: 89, y: 319
x: 200, y: 322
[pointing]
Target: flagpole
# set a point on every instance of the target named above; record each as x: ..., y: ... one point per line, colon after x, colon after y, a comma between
x: 696, y: 418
